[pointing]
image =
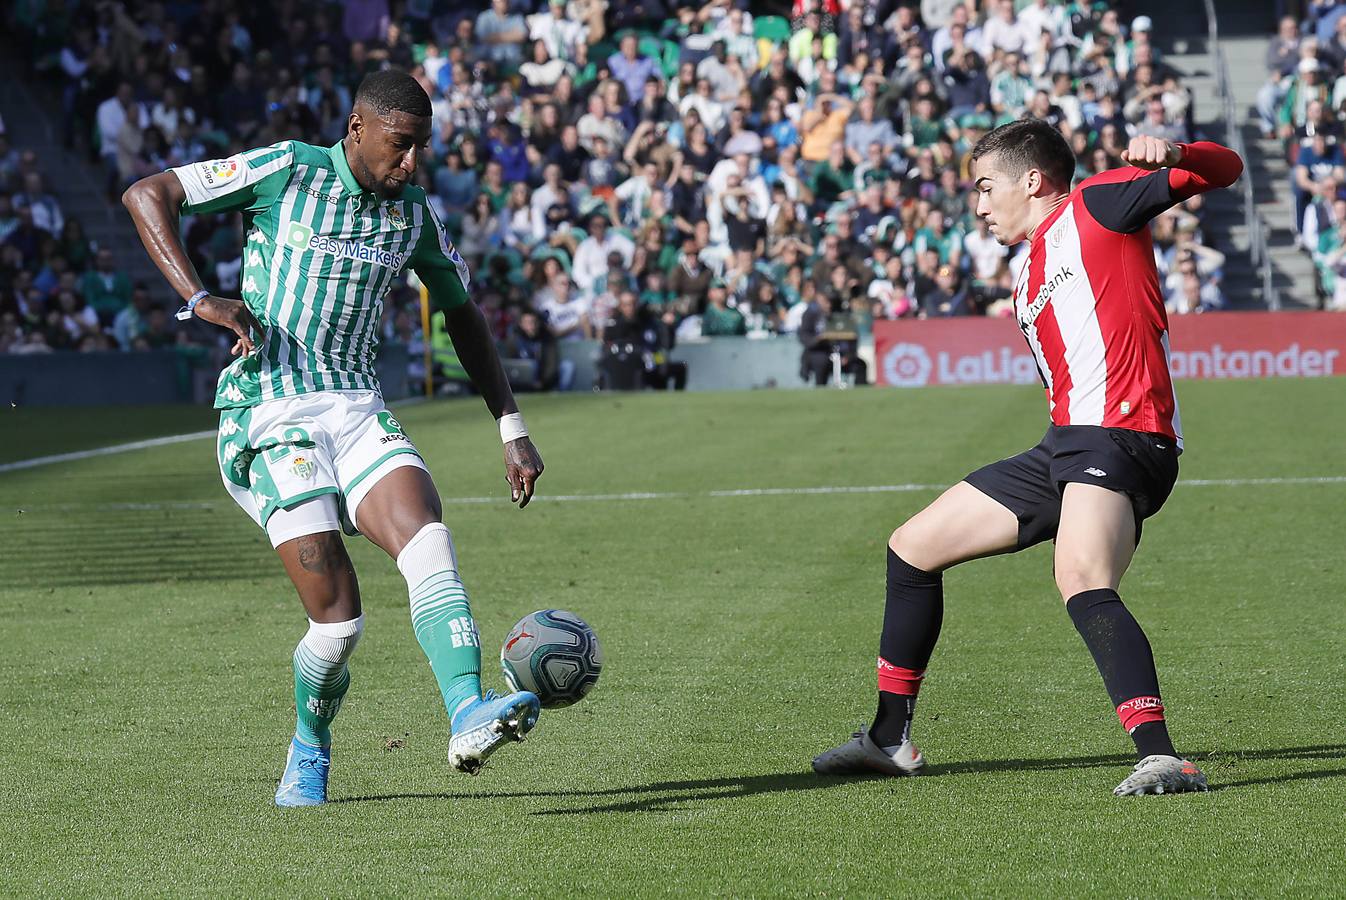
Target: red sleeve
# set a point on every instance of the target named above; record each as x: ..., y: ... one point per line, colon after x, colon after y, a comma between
x: 1204, y: 166
x: 1126, y: 199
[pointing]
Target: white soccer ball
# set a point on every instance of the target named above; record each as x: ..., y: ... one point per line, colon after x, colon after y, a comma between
x: 554, y: 654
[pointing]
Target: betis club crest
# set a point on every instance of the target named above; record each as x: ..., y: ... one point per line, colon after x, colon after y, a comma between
x: 302, y: 467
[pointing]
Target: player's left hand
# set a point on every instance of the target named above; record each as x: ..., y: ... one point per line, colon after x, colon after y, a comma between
x: 1151, y: 153
x: 523, y: 467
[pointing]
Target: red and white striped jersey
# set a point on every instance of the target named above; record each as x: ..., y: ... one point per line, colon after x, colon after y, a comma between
x: 1089, y: 302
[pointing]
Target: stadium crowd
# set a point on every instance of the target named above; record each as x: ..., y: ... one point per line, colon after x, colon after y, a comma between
x: 1303, y: 103
x: 654, y: 169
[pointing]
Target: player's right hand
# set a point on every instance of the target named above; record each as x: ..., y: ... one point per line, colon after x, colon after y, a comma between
x: 1151, y: 153
x: 234, y: 315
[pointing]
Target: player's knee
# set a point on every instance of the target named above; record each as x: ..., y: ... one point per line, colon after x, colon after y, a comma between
x: 334, y: 642
x: 908, y: 542
x: 429, y: 550
x: 1077, y: 576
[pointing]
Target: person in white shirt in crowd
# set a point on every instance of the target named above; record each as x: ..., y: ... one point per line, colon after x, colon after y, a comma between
x: 1044, y: 15
x: 634, y: 193
x: 1003, y: 31
x: 561, y: 34
x: 112, y: 116
x: 1322, y: 215
x: 711, y: 110
x: 566, y: 312
x: 986, y: 254
x: 591, y: 257
x: 735, y: 29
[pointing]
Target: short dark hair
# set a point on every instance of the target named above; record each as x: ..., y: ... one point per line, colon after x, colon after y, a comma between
x: 393, y: 89
x: 1029, y: 144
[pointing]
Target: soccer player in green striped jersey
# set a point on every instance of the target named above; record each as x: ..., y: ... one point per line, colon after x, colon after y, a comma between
x: 306, y: 446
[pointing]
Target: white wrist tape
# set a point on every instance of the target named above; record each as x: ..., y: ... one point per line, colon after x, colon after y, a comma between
x: 512, y: 428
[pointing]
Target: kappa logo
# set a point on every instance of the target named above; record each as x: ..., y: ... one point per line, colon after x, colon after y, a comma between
x: 313, y: 192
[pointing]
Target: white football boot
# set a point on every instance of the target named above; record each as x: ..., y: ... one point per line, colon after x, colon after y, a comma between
x: 861, y: 756
x: 1162, y: 775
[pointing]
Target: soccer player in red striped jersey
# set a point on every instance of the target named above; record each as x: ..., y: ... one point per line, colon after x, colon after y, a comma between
x: 1089, y: 304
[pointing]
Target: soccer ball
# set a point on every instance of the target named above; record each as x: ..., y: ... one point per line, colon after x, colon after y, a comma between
x: 554, y: 654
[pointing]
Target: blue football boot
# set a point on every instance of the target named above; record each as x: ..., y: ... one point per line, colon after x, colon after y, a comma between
x: 482, y: 726
x: 305, y: 780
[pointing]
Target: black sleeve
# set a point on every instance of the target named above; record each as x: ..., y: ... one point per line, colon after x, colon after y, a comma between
x: 1128, y: 206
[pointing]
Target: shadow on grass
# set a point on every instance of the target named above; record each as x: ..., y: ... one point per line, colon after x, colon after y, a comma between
x: 665, y: 796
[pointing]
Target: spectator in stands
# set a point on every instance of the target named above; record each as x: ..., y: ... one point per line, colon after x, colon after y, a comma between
x: 636, y: 342
x: 524, y: 106
x: 1319, y: 159
x: 106, y: 289
x: 9, y: 219
x: 718, y: 318
x: 131, y: 324
x: 948, y: 296
x: 1306, y: 91
x: 530, y: 340
x: 566, y: 311
x: 1282, y: 59
x: 816, y: 331
x: 45, y: 208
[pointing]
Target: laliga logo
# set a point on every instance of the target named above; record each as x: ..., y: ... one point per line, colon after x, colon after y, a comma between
x: 224, y: 169
x: 907, y: 365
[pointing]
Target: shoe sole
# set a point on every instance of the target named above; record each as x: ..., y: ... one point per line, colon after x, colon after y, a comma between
x: 282, y: 804
x: 512, y: 728
x: 1154, y: 790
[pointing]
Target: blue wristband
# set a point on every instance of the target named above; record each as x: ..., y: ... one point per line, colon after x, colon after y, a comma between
x: 186, y: 312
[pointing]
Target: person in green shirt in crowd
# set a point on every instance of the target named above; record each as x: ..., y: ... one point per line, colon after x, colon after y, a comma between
x: 719, y: 320
x: 106, y: 290
x: 831, y: 179
x: 938, y: 236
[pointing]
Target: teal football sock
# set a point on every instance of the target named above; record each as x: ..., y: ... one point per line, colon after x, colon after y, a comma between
x: 321, y: 677
x: 441, y: 615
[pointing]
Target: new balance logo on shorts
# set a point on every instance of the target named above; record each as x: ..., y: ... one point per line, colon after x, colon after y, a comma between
x: 1097, y: 473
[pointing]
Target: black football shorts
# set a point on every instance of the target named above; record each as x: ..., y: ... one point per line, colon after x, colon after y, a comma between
x: 1141, y: 465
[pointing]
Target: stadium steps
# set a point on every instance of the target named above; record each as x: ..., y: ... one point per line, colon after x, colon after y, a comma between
x: 31, y: 113
x: 1225, y: 228
x: 1291, y: 269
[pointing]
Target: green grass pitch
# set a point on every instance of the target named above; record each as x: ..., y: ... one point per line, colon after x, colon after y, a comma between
x: 145, y: 696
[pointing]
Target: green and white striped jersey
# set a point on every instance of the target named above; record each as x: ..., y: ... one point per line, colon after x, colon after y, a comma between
x: 321, y: 252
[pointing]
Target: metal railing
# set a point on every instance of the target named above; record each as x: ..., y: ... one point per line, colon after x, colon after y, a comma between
x: 1252, y: 218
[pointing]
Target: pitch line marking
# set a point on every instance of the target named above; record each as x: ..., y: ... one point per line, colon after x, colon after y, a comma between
x: 138, y: 445
x: 105, y: 451
x: 683, y: 495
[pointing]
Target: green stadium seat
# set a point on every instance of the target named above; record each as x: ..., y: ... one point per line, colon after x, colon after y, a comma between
x: 651, y: 47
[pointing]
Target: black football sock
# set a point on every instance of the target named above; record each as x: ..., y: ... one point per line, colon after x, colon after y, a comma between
x: 911, y: 622
x: 1123, y: 657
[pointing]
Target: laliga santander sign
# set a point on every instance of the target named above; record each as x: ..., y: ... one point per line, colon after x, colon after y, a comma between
x: 917, y: 352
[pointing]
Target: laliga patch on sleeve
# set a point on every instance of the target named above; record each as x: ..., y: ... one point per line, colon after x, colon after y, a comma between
x: 219, y: 176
